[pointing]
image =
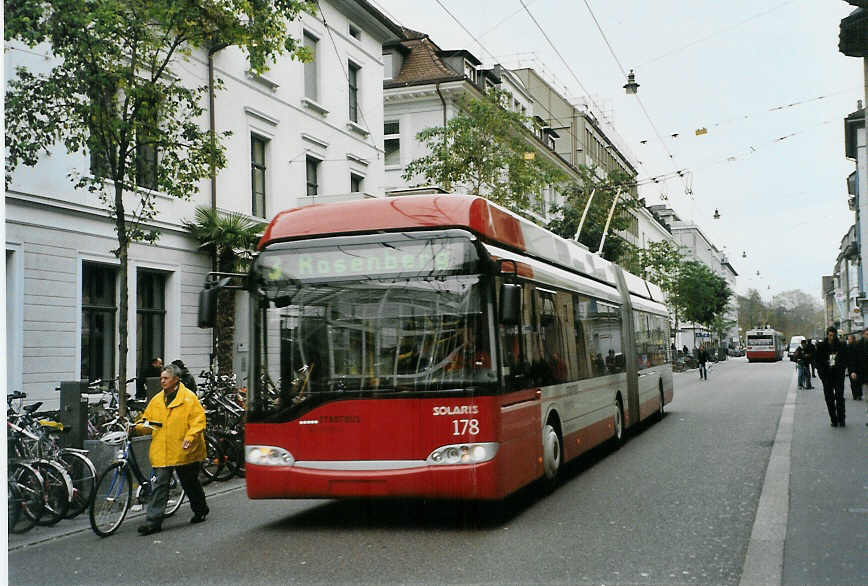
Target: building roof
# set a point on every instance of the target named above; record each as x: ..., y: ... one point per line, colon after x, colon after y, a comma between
x: 422, y: 64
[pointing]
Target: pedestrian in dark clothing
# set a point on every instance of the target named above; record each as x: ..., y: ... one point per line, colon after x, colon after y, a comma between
x: 186, y: 377
x: 702, y: 358
x: 853, y: 351
x: 812, y: 358
x: 831, y: 361
x: 803, y: 364
x: 152, y: 370
x: 859, y: 367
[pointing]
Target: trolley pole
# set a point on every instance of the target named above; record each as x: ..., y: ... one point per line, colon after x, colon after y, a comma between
x: 585, y: 214
x: 608, y: 221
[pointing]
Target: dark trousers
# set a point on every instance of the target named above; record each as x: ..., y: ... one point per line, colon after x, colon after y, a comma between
x: 833, y: 389
x: 856, y: 388
x: 189, y: 476
x: 703, y: 372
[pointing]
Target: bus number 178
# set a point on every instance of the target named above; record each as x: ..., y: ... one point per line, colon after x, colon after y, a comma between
x: 464, y: 426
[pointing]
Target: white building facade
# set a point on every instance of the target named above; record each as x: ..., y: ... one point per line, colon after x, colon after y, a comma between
x: 302, y: 133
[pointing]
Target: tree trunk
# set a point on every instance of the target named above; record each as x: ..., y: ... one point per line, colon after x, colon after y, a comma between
x: 123, y: 309
x: 225, y: 329
x: 225, y: 326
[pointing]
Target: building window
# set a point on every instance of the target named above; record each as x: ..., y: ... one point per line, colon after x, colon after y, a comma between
x: 469, y: 71
x: 98, y: 309
x: 104, y: 101
x: 387, y: 66
x: 355, y: 32
x: 354, y: 92
x: 146, y: 146
x: 150, y: 316
x: 356, y: 183
x: 310, y: 73
x: 392, y: 143
x: 257, y: 172
x: 312, y: 173
x: 146, y: 165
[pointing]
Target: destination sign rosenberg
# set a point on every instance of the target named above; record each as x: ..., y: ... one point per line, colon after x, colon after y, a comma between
x: 387, y: 258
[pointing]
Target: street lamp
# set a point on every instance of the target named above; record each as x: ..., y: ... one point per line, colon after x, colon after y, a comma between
x: 631, y: 87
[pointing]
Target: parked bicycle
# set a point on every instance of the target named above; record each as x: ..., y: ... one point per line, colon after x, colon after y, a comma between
x: 30, y: 442
x: 115, y: 489
x: 24, y: 496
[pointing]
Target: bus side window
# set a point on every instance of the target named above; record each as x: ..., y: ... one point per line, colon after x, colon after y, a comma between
x: 644, y: 358
x: 553, y: 323
x: 579, y: 355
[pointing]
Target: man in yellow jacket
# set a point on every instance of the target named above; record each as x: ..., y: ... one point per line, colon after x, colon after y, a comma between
x: 177, y: 443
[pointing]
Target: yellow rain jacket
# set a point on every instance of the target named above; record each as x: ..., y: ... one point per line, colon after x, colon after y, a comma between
x: 183, y: 419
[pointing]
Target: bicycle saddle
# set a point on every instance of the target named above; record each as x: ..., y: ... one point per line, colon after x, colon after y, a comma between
x: 31, y: 408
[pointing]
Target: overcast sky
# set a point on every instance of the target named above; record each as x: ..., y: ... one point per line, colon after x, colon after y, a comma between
x: 725, y: 66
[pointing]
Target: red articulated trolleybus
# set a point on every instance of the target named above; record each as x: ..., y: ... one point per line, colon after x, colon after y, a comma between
x: 438, y: 346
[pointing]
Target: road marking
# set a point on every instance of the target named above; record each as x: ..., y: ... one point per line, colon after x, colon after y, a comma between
x: 764, y: 562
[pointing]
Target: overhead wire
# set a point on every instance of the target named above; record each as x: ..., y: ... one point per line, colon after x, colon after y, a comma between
x: 716, y: 33
x: 346, y: 74
x: 466, y: 30
x: 688, y: 188
x: 703, y: 130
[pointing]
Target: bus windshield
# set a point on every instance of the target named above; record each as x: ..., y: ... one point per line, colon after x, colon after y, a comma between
x: 319, y: 332
x: 759, y: 340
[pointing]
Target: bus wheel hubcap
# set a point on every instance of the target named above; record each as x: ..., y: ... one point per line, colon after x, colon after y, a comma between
x: 551, y: 452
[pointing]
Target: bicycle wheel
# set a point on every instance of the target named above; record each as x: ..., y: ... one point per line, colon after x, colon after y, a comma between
x: 225, y: 471
x: 176, y: 495
x: 55, y: 491
x: 213, y: 460
x: 111, y: 499
x: 25, y: 499
x: 83, y: 474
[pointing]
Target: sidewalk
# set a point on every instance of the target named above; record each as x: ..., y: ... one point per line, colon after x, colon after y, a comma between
x: 82, y: 522
x: 827, y: 532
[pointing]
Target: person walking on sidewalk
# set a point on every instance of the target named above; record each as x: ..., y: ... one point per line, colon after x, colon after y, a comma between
x: 702, y: 358
x: 812, y: 359
x: 859, y: 366
x: 854, y: 349
x: 831, y: 360
x: 803, y: 365
x: 177, y: 444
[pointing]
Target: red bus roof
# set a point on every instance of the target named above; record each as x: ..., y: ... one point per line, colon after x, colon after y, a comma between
x: 398, y: 213
x: 489, y: 221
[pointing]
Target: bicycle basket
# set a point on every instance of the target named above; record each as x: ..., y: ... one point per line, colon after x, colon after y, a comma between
x: 114, y: 438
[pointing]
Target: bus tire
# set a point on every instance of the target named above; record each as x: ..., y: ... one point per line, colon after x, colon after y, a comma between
x: 618, y: 437
x: 553, y: 454
x: 660, y: 412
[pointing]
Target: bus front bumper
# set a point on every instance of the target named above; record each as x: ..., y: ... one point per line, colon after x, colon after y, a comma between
x: 476, y: 481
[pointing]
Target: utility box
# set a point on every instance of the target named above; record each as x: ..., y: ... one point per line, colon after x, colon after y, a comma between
x: 73, y: 413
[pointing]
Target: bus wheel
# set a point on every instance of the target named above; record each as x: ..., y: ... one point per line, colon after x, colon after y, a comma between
x: 660, y: 409
x: 618, y: 438
x: 552, y: 455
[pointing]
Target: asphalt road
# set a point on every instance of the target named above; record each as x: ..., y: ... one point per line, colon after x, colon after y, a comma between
x: 676, y: 504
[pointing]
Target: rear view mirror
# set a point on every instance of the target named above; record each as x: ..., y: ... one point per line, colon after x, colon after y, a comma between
x: 208, y: 307
x: 510, y: 304
x: 208, y: 302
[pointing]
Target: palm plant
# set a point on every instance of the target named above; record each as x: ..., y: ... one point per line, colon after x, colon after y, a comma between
x: 231, y: 239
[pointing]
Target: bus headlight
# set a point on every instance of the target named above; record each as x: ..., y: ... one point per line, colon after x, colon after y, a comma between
x: 463, y: 454
x: 267, y: 456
